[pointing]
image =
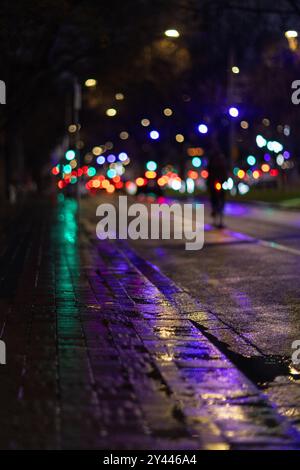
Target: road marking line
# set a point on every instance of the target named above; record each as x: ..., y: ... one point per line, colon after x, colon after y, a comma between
x: 277, y: 246
x: 274, y: 245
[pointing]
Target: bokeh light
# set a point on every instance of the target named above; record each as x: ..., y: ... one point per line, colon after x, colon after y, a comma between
x: 70, y: 154
x: 100, y: 160
x: 202, y: 128
x: 172, y: 33
x: 168, y: 112
x: 123, y: 156
x: 111, y: 112
x: 244, y: 125
x: 151, y: 165
x: 196, y: 162
x: 154, y: 135
x: 97, y: 151
x: 90, y: 82
x: 111, y: 158
x: 145, y: 122
x: 179, y: 138
x: 124, y: 135
x: 233, y: 111
x: 251, y: 160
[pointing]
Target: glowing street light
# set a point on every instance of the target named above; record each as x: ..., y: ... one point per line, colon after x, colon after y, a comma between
x: 111, y: 112
x: 292, y: 37
x: 291, y: 34
x: 179, y: 138
x: 72, y: 128
x: 168, y: 112
x: 172, y: 33
x: 154, y: 135
x: 90, y: 82
x: 203, y: 129
x: 234, y: 112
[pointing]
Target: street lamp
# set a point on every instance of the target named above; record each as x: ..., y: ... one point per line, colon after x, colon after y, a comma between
x: 154, y: 135
x: 292, y: 36
x: 202, y: 128
x: 111, y: 112
x: 172, y: 33
x: 233, y: 111
x: 90, y: 82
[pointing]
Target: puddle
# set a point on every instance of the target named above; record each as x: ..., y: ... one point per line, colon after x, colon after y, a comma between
x: 262, y: 370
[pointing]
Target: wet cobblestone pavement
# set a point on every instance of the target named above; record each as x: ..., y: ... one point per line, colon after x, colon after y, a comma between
x: 103, y: 351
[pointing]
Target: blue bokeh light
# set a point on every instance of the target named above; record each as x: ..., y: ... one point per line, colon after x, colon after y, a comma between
x: 233, y: 111
x: 111, y: 158
x: 202, y: 128
x: 100, y: 160
x: 154, y: 135
x: 123, y: 156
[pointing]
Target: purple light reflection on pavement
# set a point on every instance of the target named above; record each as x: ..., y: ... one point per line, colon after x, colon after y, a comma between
x: 160, y: 252
x: 236, y: 209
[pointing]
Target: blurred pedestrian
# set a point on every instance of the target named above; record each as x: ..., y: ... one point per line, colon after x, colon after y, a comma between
x: 217, y: 175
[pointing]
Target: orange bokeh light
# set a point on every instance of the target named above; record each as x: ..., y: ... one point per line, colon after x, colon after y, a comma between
x: 162, y: 181
x: 150, y: 175
x: 195, y: 151
x: 265, y: 168
x: 110, y: 189
x: 193, y: 174
x: 140, y: 182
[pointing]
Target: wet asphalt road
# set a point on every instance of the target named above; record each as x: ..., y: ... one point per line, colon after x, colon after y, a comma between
x: 247, y: 279
x: 247, y: 275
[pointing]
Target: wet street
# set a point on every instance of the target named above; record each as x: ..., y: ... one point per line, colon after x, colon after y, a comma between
x: 145, y: 345
x: 150, y: 230
x: 247, y: 280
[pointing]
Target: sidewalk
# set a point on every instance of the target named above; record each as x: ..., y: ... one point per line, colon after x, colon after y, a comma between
x: 102, y: 352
